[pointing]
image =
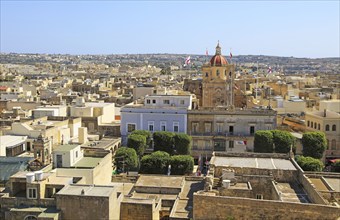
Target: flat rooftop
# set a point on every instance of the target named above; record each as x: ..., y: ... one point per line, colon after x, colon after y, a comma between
x: 292, y: 192
x: 159, y: 181
x: 89, y: 190
x: 65, y: 148
x: 88, y: 162
x: 261, y: 163
x: 334, y: 183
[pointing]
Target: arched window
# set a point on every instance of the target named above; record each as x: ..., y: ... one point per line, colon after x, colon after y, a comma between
x: 333, y: 144
x: 225, y: 72
x: 315, y: 125
x: 327, y: 128
x: 308, y: 123
x: 206, y: 74
x: 217, y: 72
x: 30, y: 217
x: 311, y: 124
x: 319, y: 126
x: 230, y: 74
x: 333, y: 127
x: 327, y: 144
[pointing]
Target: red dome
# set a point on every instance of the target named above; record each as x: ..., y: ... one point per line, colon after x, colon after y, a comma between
x: 218, y: 60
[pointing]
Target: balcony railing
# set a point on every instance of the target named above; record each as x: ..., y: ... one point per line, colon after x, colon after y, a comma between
x: 223, y: 134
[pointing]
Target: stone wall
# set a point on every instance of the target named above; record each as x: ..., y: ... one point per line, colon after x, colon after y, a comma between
x: 278, y: 175
x: 85, y: 207
x: 217, y: 207
x: 139, y: 209
x: 308, y: 186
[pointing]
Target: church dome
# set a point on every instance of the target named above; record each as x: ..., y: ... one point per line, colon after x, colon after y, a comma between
x: 218, y: 59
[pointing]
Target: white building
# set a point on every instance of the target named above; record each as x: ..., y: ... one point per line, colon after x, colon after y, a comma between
x: 55, y: 110
x: 67, y: 155
x: 11, y: 145
x: 157, y: 113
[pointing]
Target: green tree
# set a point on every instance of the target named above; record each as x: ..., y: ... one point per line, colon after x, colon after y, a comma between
x: 137, y: 142
x: 163, y: 141
x: 182, y: 143
x: 146, y: 134
x: 126, y: 159
x: 335, y: 167
x: 155, y: 163
x: 314, y: 144
x: 282, y: 141
x: 309, y: 163
x: 263, y: 142
x: 181, y: 164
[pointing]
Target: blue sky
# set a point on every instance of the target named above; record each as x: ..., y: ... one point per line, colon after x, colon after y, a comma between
x: 281, y: 28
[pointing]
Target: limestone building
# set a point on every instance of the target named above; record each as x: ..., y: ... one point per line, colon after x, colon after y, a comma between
x: 217, y: 125
x: 218, y: 78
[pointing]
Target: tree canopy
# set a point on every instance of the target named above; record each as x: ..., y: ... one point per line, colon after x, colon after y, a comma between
x: 146, y: 134
x: 125, y: 159
x: 314, y: 144
x: 164, y: 141
x: 137, y: 142
x: 309, y: 163
x: 182, y: 143
x: 263, y: 142
x: 282, y: 140
x: 155, y: 163
x: 181, y: 164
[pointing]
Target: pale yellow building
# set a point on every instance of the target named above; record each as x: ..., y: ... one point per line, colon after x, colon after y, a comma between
x: 329, y: 123
x: 218, y: 79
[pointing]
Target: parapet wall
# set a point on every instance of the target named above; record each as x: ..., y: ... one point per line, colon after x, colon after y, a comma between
x: 251, y: 155
x: 219, y: 207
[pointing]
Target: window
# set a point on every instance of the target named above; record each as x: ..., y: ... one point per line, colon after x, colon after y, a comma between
x: 333, y: 127
x: 327, y: 128
x: 207, y: 127
x: 153, y: 101
x: 219, y: 127
x: 148, y: 101
x: 163, y: 126
x: 231, y: 130
x: 252, y: 129
x: 206, y: 74
x: 327, y: 144
x: 131, y: 127
x: 231, y: 144
x: 308, y: 123
x: 259, y: 196
x: 166, y: 102
x: 319, y: 126
x: 176, y: 126
x: 217, y: 72
x: 333, y: 144
x: 182, y: 102
x: 76, y: 154
x: 219, y: 145
x: 194, y: 127
x: 32, y: 193
x: 151, y: 126
x: 207, y: 144
x: 311, y: 124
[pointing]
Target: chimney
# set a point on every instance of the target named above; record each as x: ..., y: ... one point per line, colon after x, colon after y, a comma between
x: 324, y: 113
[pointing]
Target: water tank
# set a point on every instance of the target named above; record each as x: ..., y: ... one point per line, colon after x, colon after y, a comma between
x: 39, y: 175
x: 30, y: 177
x: 226, y: 183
